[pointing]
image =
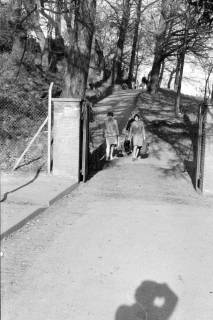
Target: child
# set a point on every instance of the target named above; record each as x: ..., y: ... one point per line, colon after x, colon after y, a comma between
x: 137, y: 133
x: 144, y: 83
x: 111, y: 132
x: 128, y: 141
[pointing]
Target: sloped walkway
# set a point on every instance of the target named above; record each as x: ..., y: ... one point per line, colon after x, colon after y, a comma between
x: 135, y: 242
x: 24, y: 196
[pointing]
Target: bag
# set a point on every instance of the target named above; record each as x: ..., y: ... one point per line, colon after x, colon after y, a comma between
x: 118, y: 152
x: 144, y: 150
x: 127, y: 146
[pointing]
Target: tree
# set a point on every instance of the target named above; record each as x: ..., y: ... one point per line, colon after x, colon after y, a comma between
x: 173, y: 37
x: 181, y: 59
x: 78, y: 54
x: 158, y: 54
x: 207, y: 65
x: 118, y: 59
x: 171, y: 74
x: 134, y: 43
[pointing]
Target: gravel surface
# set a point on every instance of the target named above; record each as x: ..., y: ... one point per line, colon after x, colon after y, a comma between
x: 135, y: 242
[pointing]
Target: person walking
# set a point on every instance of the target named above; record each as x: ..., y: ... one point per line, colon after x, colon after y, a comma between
x: 111, y: 133
x: 144, y: 83
x: 137, y: 134
x: 128, y: 146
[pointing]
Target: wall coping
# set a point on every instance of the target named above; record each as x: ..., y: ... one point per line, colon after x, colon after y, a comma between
x: 66, y: 99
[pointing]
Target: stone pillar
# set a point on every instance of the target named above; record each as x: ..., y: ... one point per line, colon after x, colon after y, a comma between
x: 66, y: 137
x: 208, y: 160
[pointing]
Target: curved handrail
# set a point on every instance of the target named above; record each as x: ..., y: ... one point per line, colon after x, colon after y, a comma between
x: 49, y: 128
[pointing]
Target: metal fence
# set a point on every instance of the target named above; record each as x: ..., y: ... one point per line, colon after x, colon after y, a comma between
x: 20, y: 119
x: 200, y: 150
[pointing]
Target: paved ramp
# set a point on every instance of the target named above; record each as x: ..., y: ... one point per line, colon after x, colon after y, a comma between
x: 135, y: 242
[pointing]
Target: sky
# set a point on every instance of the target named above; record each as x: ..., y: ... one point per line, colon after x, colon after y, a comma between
x: 193, y: 79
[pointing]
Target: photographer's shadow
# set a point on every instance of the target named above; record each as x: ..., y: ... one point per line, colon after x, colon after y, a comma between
x: 154, y: 301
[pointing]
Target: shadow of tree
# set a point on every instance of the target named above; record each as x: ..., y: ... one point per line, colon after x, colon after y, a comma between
x: 153, y: 301
x: 190, y: 163
x: 179, y: 133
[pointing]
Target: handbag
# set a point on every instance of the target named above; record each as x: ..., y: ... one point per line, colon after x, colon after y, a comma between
x: 144, y: 150
x: 127, y: 146
x: 118, y: 152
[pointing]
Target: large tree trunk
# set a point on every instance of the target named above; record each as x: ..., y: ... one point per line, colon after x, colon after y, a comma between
x: 117, y: 72
x: 182, y: 59
x: 177, y: 72
x: 138, y: 63
x: 78, y: 57
x: 159, y: 56
x: 172, y: 72
x: 58, y: 19
x: 33, y: 10
x: 211, y: 99
x: 134, y: 43
x: 19, y: 33
x: 161, y: 73
x: 154, y: 75
x: 178, y: 96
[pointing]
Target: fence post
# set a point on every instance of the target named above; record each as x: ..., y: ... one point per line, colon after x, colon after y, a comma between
x: 85, y: 141
x: 198, y: 150
x: 207, y: 185
x: 66, y: 143
x: 49, y: 128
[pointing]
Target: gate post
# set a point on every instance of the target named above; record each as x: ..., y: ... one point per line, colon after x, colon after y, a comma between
x: 208, y: 154
x: 66, y: 137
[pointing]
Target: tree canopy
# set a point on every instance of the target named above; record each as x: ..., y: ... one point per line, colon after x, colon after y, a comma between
x: 82, y: 44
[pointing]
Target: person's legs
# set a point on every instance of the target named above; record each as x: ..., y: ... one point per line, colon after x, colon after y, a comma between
x: 131, y: 145
x: 111, y: 151
x: 107, y: 150
x: 134, y: 154
x: 137, y: 152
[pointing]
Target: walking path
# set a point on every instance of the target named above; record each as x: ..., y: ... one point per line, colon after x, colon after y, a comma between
x: 135, y: 242
x: 23, y: 196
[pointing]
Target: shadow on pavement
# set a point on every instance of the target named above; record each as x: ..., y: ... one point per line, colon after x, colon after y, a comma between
x: 24, y: 185
x: 190, y: 162
x: 28, y: 162
x: 153, y: 301
x: 180, y: 134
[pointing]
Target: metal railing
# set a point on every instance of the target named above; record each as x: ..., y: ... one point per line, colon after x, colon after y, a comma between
x: 200, y: 150
x: 22, y: 122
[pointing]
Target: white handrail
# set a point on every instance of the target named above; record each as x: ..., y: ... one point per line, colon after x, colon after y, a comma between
x: 49, y: 128
x: 29, y: 145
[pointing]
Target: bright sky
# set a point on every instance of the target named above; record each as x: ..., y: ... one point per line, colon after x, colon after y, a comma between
x: 193, y: 79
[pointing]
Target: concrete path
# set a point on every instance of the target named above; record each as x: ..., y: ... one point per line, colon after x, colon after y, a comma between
x: 135, y: 242
x: 23, y: 197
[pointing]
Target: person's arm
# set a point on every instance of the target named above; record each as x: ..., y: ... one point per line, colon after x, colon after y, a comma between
x: 117, y: 131
x: 128, y: 125
x: 116, y: 128
x: 104, y: 129
x: 130, y: 130
x: 144, y: 133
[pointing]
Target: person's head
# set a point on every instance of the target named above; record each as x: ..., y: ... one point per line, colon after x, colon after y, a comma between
x: 133, y: 113
x: 136, y: 117
x: 110, y: 114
